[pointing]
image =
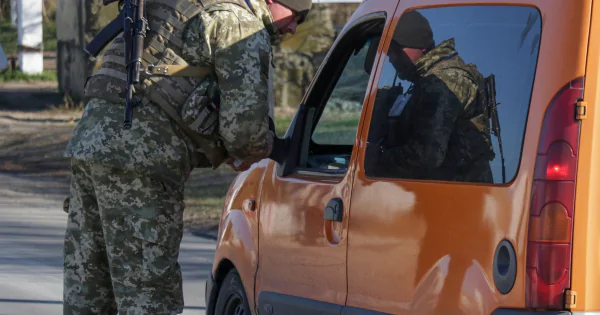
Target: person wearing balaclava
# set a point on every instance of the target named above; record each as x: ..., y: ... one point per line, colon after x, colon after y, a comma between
x: 434, y: 137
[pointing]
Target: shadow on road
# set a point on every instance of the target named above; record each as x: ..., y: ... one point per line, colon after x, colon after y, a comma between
x: 29, y: 301
x: 60, y: 303
x: 34, y: 180
x: 31, y: 253
x: 32, y: 155
x: 30, y: 248
x: 30, y: 97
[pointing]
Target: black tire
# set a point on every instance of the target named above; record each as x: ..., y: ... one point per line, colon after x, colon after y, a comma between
x: 232, y: 298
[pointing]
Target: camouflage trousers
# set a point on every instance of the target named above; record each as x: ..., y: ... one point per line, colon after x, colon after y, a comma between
x: 122, y: 243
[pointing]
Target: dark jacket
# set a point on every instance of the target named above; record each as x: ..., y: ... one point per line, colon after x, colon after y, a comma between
x: 434, y: 137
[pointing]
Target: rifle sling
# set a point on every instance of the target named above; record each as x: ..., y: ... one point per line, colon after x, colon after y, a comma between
x: 120, y: 60
x: 166, y: 70
x: 180, y: 71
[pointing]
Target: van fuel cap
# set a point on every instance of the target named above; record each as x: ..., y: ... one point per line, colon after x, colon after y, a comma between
x: 505, y: 267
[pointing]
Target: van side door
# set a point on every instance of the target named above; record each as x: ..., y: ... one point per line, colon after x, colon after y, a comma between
x: 438, y: 212
x: 305, y: 200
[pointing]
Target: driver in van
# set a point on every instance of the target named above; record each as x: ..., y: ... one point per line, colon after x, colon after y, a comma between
x: 433, y: 137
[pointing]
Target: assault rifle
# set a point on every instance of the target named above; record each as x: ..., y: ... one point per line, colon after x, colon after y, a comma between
x: 490, y: 88
x: 132, y: 21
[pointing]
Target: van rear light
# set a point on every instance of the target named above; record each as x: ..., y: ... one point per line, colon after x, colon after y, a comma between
x: 550, y: 242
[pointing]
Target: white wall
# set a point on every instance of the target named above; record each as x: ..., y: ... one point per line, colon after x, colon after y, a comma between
x: 30, y: 39
x: 13, y: 12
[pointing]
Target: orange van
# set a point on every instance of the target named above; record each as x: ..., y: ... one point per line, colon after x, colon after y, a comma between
x: 333, y: 227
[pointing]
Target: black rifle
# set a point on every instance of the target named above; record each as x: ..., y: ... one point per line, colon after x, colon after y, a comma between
x: 132, y: 21
x: 134, y: 32
x: 490, y: 87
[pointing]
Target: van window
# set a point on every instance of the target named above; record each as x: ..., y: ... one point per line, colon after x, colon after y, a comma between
x: 339, y: 122
x: 448, y: 74
x: 336, y: 120
x: 327, y: 123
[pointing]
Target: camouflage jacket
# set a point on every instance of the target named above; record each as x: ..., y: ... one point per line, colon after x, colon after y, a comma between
x: 237, y: 43
x: 435, y: 139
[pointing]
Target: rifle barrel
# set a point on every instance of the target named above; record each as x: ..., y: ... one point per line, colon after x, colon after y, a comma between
x: 134, y: 33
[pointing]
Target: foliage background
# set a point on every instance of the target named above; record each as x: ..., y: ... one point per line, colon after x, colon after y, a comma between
x: 296, y: 58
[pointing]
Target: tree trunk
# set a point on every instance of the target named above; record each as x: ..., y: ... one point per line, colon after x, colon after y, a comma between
x: 4, y: 7
x: 77, y: 22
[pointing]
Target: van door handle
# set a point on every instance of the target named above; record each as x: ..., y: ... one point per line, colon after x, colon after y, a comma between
x: 334, y: 210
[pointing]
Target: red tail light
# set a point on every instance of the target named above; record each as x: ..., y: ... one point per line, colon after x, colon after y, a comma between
x: 551, y: 216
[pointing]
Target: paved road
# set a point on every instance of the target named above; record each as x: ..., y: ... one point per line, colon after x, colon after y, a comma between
x: 31, y: 242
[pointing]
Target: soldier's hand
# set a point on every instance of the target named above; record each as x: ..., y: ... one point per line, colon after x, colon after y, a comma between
x: 237, y: 165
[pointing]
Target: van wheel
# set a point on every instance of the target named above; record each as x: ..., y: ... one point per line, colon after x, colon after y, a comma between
x: 232, y: 298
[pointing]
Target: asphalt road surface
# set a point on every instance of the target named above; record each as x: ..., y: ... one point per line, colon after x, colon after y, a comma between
x: 32, y: 227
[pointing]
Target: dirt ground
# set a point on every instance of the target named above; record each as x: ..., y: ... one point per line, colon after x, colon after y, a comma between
x: 35, y: 134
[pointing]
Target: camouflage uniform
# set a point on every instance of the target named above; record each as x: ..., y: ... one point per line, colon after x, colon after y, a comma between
x: 434, y: 136
x: 126, y: 205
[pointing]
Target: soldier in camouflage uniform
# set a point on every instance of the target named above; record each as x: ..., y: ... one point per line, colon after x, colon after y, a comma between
x: 434, y: 137
x: 125, y: 209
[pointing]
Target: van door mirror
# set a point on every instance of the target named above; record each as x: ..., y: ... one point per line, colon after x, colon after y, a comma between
x: 280, y: 149
x: 3, y: 59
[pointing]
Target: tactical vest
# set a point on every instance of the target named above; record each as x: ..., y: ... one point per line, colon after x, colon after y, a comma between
x: 483, y: 114
x: 479, y: 113
x: 166, y: 79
